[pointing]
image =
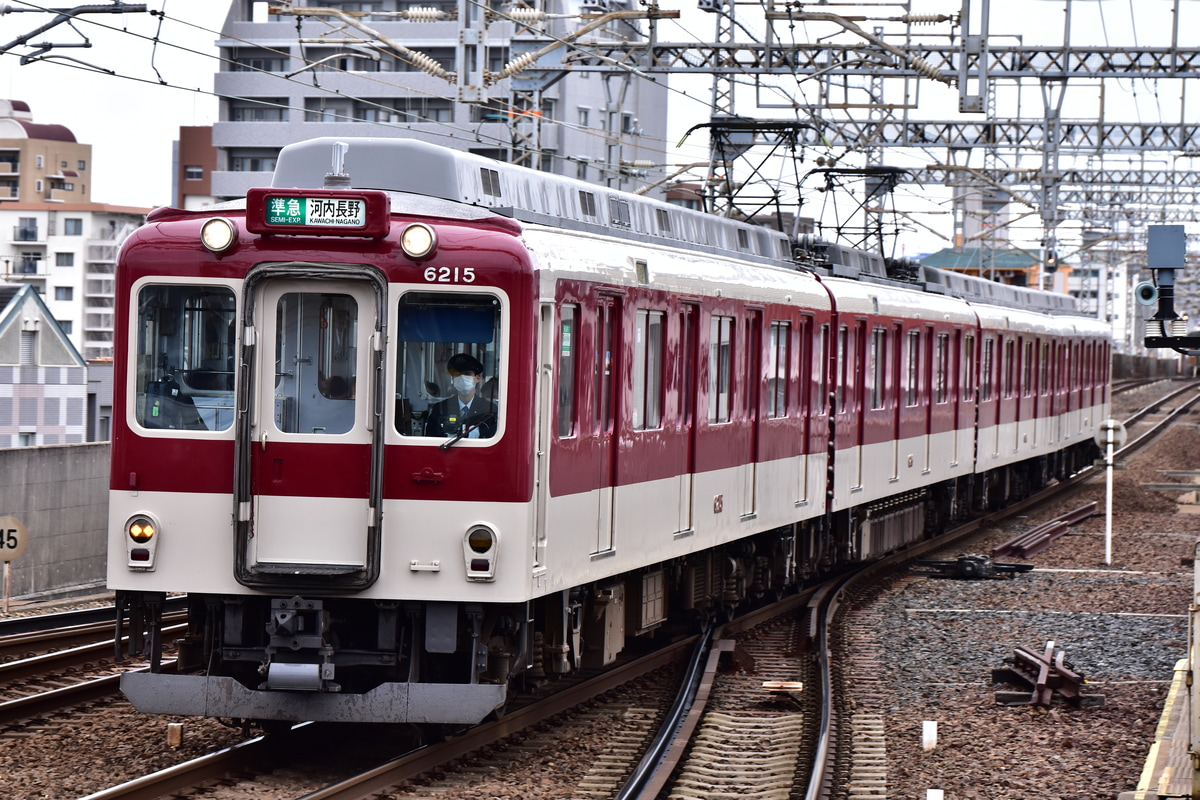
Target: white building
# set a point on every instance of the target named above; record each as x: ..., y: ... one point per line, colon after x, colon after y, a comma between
x: 394, y: 68
x: 52, y: 237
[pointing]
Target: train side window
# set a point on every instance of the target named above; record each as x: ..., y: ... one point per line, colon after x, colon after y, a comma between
x: 1044, y: 369
x: 184, y: 367
x: 779, y: 361
x: 968, y: 368
x: 648, y: 369
x: 568, y: 344
x: 1027, y: 371
x: 1010, y: 366
x: 985, y: 369
x: 720, y: 368
x: 941, y: 368
x: 820, y: 368
x: 843, y: 368
x: 688, y: 316
x: 912, y: 359
x: 432, y: 328
x: 878, y: 366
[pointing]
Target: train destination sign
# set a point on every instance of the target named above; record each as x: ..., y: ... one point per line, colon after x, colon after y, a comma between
x: 344, y: 211
x: 318, y: 212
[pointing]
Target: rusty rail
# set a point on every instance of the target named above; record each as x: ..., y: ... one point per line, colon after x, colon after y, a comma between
x: 1037, y: 539
x: 1047, y: 673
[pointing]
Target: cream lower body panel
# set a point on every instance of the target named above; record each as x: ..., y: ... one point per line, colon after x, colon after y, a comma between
x: 874, y: 472
x: 648, y: 526
x: 1013, y: 442
x: 423, y: 555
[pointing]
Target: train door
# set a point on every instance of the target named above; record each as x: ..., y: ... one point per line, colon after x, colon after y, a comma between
x: 310, y: 442
x: 607, y: 339
x: 689, y: 317
x: 546, y: 408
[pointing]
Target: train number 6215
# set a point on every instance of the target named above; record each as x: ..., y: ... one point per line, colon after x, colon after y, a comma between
x: 450, y: 274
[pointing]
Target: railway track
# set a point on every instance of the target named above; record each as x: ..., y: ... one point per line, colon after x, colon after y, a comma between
x: 58, y: 661
x: 768, y: 713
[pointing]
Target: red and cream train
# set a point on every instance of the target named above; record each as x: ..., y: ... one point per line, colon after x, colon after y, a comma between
x: 686, y: 414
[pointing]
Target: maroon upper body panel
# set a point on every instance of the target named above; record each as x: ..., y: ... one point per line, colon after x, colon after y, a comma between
x: 473, y: 256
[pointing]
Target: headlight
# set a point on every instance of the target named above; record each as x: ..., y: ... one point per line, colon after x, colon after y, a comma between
x: 417, y: 240
x: 218, y: 234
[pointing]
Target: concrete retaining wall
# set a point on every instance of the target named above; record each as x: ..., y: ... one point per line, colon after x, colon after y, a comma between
x: 60, y: 494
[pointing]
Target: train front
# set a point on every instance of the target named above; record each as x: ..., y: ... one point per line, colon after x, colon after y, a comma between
x: 323, y: 426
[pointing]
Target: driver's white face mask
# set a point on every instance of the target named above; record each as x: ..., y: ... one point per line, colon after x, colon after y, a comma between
x: 464, y: 383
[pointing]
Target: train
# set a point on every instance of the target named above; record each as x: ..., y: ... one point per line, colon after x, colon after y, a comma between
x: 416, y: 431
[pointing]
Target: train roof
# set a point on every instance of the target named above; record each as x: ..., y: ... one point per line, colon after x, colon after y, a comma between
x: 427, y: 170
x: 981, y: 290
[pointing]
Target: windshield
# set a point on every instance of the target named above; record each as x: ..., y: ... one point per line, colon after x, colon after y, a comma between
x: 184, y: 368
x: 447, y: 375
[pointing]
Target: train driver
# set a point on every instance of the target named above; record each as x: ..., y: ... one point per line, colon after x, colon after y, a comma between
x: 467, y: 411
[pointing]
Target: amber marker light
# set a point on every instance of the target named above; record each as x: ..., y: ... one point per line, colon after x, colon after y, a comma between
x: 218, y: 234
x: 480, y: 540
x: 418, y: 240
x: 141, y: 530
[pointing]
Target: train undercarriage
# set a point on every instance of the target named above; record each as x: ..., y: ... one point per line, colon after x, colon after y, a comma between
x: 344, y: 659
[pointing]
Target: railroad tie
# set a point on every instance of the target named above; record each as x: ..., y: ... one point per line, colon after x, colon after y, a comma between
x: 868, y: 767
x: 743, y: 756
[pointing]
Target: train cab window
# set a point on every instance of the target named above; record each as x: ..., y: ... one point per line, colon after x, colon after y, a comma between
x: 568, y: 346
x: 316, y: 362
x: 648, y: 369
x: 779, y: 359
x: 447, y: 371
x: 184, y: 367
x: 720, y: 368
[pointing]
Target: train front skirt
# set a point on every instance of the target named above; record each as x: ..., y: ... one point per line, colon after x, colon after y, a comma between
x: 215, y: 696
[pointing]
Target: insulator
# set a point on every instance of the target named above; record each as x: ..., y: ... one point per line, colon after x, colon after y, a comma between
x: 922, y: 66
x: 424, y: 14
x: 525, y: 15
x: 924, y: 19
x: 645, y: 163
x: 516, y: 65
x: 426, y: 64
x: 1178, y: 327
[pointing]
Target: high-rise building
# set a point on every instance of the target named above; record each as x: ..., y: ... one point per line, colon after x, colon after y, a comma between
x: 431, y: 70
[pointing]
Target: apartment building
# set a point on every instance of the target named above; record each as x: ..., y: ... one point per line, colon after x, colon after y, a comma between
x: 52, y: 237
x: 426, y: 69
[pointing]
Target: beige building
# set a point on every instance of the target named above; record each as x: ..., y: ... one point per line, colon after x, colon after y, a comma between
x: 52, y: 237
x: 40, y: 162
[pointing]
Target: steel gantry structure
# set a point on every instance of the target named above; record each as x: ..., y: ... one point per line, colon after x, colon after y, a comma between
x: 843, y: 80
